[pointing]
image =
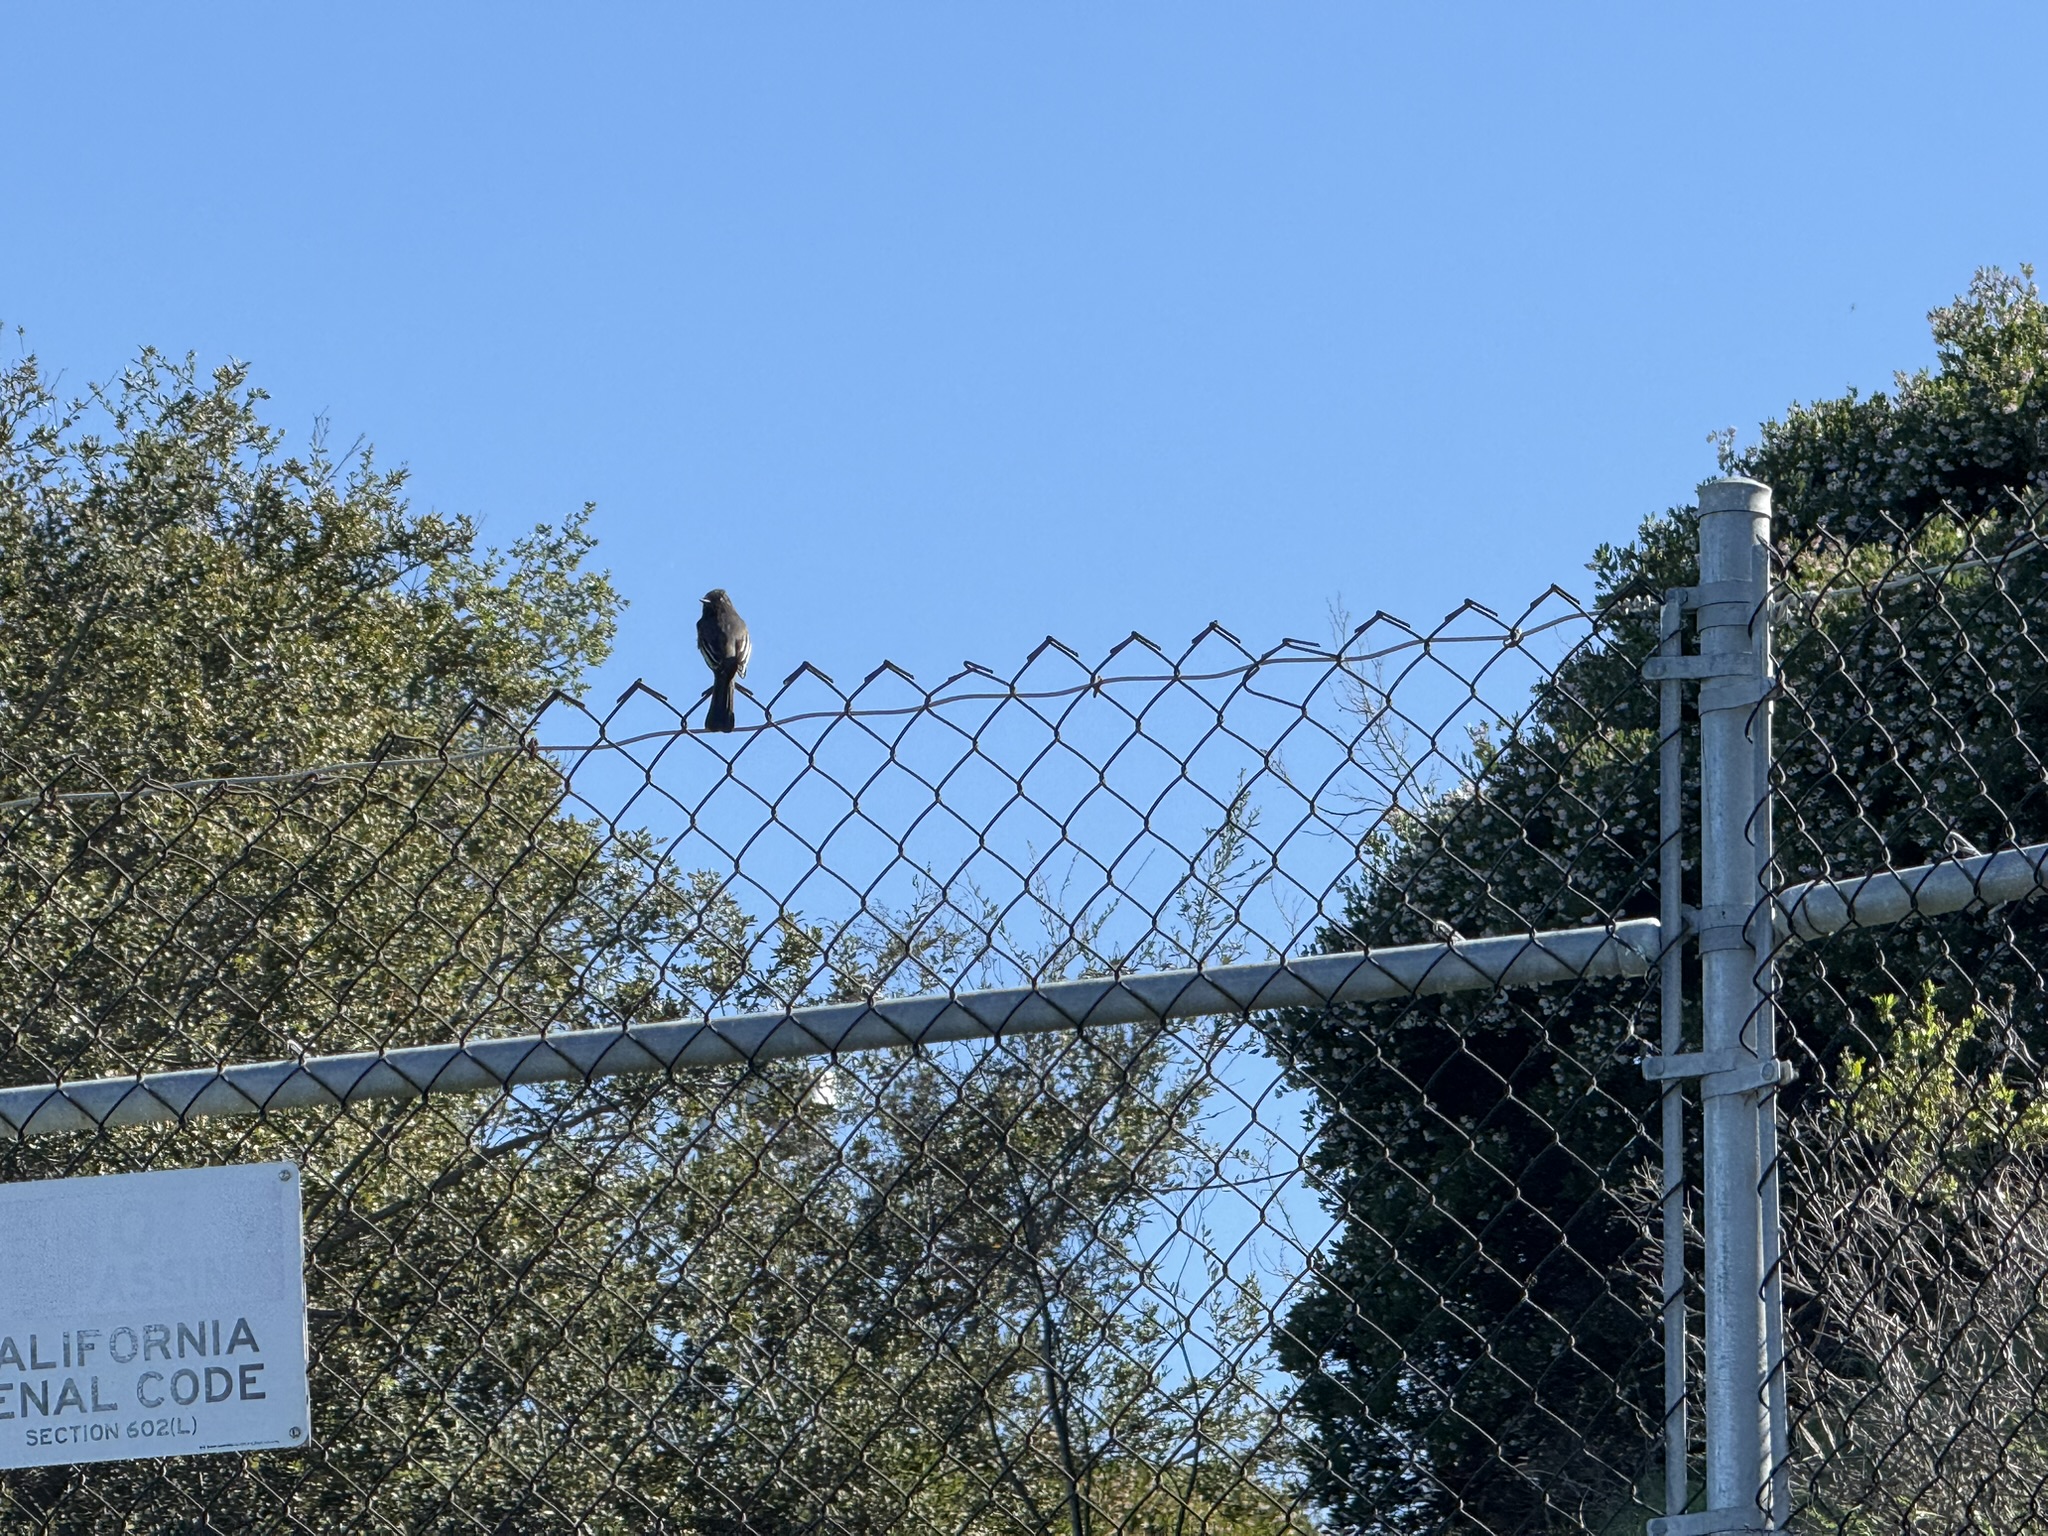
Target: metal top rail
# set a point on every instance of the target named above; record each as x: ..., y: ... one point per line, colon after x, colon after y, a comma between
x: 1804, y: 911
x: 1314, y: 981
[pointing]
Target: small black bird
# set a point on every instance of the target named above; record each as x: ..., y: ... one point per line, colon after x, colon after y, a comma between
x: 722, y: 642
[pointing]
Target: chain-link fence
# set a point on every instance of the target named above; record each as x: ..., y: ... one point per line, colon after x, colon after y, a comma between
x: 1198, y: 1090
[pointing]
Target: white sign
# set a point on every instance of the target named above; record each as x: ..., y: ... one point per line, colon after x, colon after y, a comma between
x: 152, y: 1314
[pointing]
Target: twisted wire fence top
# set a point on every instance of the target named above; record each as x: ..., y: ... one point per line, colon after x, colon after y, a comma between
x: 1208, y: 807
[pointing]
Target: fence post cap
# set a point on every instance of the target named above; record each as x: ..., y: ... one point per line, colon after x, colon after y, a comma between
x: 1735, y: 493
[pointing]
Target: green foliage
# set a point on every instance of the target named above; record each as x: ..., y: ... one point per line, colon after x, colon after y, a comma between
x: 1938, y: 1124
x: 184, y: 599
x: 1914, y: 1272
x: 1474, y: 1356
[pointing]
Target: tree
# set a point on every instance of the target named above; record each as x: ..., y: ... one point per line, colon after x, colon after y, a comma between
x: 1468, y: 1358
x: 183, y: 600
x: 744, y: 1300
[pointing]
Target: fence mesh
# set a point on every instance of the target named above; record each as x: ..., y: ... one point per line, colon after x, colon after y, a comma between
x: 1910, y: 732
x: 1367, y: 1267
x: 1208, y: 1276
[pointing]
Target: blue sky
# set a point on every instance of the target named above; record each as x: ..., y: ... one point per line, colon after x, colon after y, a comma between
x: 930, y: 330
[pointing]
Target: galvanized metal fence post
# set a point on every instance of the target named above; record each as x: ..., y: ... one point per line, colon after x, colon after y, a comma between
x: 1735, y: 1065
x: 1735, y: 518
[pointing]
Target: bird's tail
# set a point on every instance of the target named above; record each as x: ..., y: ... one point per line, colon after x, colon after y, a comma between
x: 719, y: 717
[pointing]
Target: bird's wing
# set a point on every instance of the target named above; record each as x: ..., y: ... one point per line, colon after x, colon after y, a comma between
x: 744, y: 650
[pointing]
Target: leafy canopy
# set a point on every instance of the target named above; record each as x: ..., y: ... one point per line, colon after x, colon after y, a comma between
x: 1480, y: 1352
